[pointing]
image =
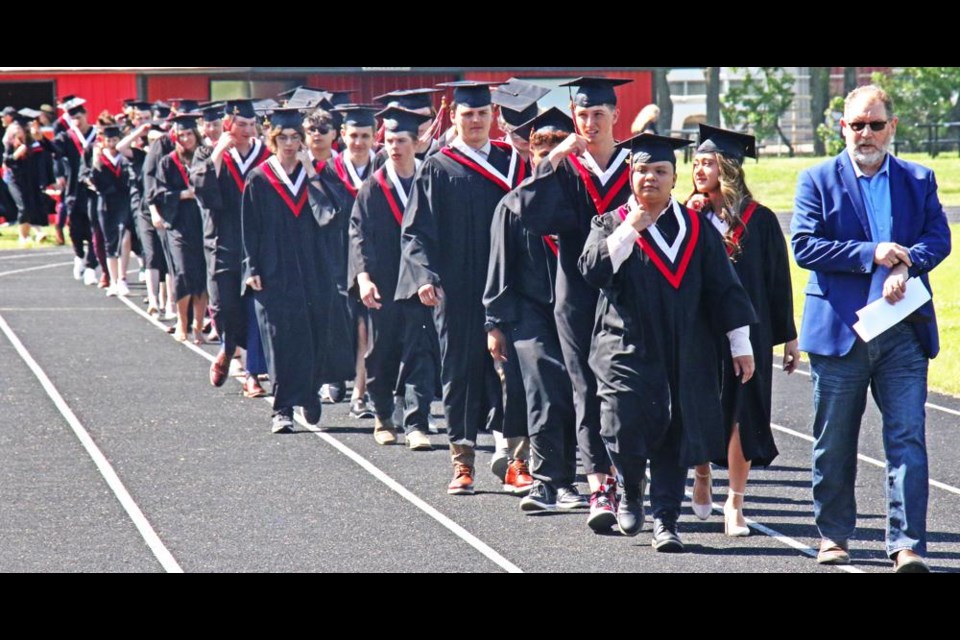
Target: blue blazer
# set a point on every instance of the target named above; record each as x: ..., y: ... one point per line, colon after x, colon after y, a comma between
x: 831, y: 238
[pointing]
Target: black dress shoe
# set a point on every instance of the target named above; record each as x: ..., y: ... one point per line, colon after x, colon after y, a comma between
x: 312, y: 414
x: 665, y: 537
x: 630, y: 516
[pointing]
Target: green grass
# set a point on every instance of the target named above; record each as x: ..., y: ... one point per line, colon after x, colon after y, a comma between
x: 774, y: 180
x: 9, y: 238
x: 945, y: 281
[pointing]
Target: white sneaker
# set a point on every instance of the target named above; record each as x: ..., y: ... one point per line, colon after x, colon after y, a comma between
x: 90, y: 277
x: 78, y: 267
x: 236, y: 369
x: 142, y: 277
x: 122, y: 288
x: 432, y: 425
x: 112, y: 291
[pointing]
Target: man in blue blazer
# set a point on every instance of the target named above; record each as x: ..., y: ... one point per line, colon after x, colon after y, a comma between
x: 868, y: 225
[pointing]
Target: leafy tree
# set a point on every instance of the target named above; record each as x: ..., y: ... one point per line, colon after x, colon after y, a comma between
x: 829, y: 129
x: 759, y: 102
x: 922, y: 95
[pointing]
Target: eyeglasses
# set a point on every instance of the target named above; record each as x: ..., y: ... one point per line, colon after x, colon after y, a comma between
x: 322, y: 129
x: 875, y: 125
x: 285, y: 139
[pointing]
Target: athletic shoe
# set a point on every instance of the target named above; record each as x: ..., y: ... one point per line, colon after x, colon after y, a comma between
x: 542, y: 497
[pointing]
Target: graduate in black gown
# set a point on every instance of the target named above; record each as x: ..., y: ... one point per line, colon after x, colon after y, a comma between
x: 419, y: 101
x: 756, y: 245
x: 446, y: 249
x: 517, y: 102
x: 398, y: 331
x: 218, y: 176
x: 521, y: 329
x: 585, y: 176
x: 111, y: 176
x: 176, y: 204
x: 28, y: 166
x: 668, y: 292
x: 286, y: 215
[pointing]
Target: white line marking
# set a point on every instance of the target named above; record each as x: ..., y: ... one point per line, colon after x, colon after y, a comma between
x: 867, y: 459
x: 20, y: 256
x: 372, y: 469
x: 150, y: 536
x: 43, y: 266
x: 928, y: 404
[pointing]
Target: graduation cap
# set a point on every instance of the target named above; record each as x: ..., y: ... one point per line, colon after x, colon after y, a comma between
x: 593, y: 91
x: 8, y: 111
x: 110, y: 131
x: 30, y: 114
x: 244, y: 107
x: 286, y: 118
x: 409, y: 98
x: 399, y: 120
x: 62, y: 105
x: 649, y: 147
x: 340, y: 97
x: 471, y: 93
x: 74, y: 105
x: 304, y: 97
x: 141, y: 105
x: 259, y: 106
x: 731, y: 144
x: 184, y: 105
x: 185, y: 120
x: 357, y: 115
x: 49, y: 110
x: 518, y: 100
x: 289, y: 92
x: 212, y: 111
x: 160, y: 109
x: 551, y: 120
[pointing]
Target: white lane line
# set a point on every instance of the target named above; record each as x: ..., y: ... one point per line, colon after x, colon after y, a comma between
x: 150, y: 536
x: 43, y: 266
x: 485, y: 549
x: 20, y: 256
x: 867, y: 459
x: 928, y: 404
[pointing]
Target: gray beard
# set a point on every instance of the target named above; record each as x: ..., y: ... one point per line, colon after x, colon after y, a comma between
x: 871, y: 158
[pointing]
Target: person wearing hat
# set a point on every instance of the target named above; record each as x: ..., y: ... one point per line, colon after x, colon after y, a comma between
x: 446, y: 248
x: 345, y: 173
x: 286, y: 219
x: 398, y: 330
x: 517, y: 102
x: 585, y: 176
x: 521, y: 330
x: 211, y: 123
x: 668, y: 292
x: 71, y: 146
x: 111, y: 177
x: 218, y: 176
x: 321, y: 133
x: 755, y: 244
x: 419, y: 101
x: 27, y: 171
x: 178, y: 212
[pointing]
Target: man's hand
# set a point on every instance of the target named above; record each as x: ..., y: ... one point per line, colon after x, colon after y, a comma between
x: 187, y: 194
x: 895, y: 286
x: 572, y: 144
x: 430, y: 295
x: 254, y: 283
x: 791, y: 356
x: 744, y: 366
x: 890, y: 254
x: 369, y: 294
x: 497, y: 344
x: 639, y: 217
x: 156, y: 220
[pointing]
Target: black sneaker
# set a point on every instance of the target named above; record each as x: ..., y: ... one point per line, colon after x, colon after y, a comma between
x: 311, y: 415
x: 282, y: 422
x: 665, y: 537
x: 360, y: 409
x: 541, y: 497
x: 568, y: 498
x: 630, y: 516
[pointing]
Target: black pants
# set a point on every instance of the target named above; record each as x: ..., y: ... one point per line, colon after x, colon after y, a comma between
x: 667, y: 476
x: 398, y: 338
x: 226, y: 306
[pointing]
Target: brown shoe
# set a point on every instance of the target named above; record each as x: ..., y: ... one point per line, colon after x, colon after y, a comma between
x: 418, y: 441
x: 252, y: 388
x: 909, y: 561
x: 218, y: 369
x: 59, y: 233
x: 833, y: 552
x: 518, y: 479
x: 462, y: 483
x: 384, y: 433
x: 104, y: 281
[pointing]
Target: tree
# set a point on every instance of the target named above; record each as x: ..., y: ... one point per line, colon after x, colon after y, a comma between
x: 759, y: 102
x: 819, y: 99
x: 661, y: 89
x: 849, y: 79
x: 712, y: 76
x: 922, y: 95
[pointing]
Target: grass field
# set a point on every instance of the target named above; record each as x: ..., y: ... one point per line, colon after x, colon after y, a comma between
x: 774, y: 180
x: 945, y: 281
x: 9, y: 237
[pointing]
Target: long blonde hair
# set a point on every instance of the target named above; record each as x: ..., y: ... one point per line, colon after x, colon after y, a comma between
x: 736, y: 197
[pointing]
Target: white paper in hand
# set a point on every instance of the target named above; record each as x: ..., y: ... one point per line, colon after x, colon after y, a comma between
x: 880, y: 315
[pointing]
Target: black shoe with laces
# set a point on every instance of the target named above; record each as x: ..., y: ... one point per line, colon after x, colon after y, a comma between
x: 665, y: 536
x: 569, y: 498
x: 541, y: 497
x: 630, y: 515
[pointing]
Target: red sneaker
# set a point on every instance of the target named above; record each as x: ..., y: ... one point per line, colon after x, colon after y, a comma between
x: 462, y: 483
x: 518, y: 479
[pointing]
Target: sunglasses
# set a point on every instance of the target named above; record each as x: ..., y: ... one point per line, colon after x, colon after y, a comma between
x: 322, y: 129
x: 875, y: 125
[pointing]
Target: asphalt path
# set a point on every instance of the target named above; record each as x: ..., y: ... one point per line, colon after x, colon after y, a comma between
x: 174, y: 474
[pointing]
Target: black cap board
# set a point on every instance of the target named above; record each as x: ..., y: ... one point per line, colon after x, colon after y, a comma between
x: 409, y: 98
x: 471, y: 93
x: 185, y: 120
x: 732, y: 144
x: 286, y: 118
x: 593, y: 91
x: 357, y: 115
x: 518, y: 100
x: 400, y: 120
x: 553, y: 119
x: 648, y: 147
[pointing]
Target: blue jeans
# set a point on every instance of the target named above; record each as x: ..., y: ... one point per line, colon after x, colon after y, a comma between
x: 895, y: 368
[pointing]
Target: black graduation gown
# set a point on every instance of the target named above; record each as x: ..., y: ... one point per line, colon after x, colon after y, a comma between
x: 446, y: 242
x: 183, y: 241
x: 519, y: 298
x: 400, y: 334
x: 764, y: 270
x: 112, y: 180
x: 27, y: 178
x: 563, y: 201
x: 284, y: 244
x: 654, y: 349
